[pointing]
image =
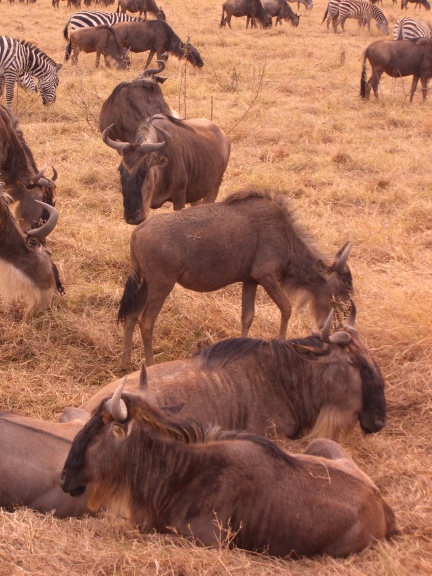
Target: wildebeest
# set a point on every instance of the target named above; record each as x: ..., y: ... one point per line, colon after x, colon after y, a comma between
x: 20, y: 177
x: 270, y: 251
x: 141, y: 6
x: 252, y: 9
x: 158, y: 37
x: 320, y: 386
x: 32, y: 455
x: 397, y: 58
x: 132, y: 103
x: 419, y: 3
x: 99, y: 39
x: 174, y: 475
x: 182, y: 161
x: 281, y: 10
x: 26, y: 268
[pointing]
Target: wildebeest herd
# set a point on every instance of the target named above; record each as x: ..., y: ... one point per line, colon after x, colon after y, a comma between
x: 176, y: 444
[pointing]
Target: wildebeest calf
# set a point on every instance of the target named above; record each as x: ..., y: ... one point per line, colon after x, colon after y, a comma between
x: 174, y: 476
x: 250, y: 237
x: 99, y: 39
x: 397, y: 58
x: 281, y: 10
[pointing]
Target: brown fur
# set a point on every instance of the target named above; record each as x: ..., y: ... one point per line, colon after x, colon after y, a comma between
x: 252, y: 9
x: 99, y: 39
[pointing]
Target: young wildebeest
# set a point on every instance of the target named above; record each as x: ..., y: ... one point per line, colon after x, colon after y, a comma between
x: 321, y: 385
x: 182, y: 161
x: 141, y: 6
x: 281, y: 10
x: 270, y: 251
x: 99, y: 39
x: 32, y: 455
x: 176, y: 476
x: 397, y: 58
x: 252, y: 9
x: 158, y: 37
x: 26, y: 268
x: 132, y: 103
x: 20, y: 176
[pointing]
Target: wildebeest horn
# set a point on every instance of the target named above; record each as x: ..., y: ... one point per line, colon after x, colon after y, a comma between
x: 337, y: 337
x: 119, y: 146
x: 39, y: 175
x: 341, y: 257
x: 153, y: 71
x: 115, y: 405
x: 43, y: 231
x: 143, y: 382
x: 54, y: 178
x: 148, y: 147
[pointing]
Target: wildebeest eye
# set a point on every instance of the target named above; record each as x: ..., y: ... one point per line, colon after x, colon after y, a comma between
x: 118, y: 431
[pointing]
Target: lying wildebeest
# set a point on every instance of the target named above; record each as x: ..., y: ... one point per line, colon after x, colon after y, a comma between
x: 252, y: 9
x: 182, y: 161
x: 99, y: 39
x: 320, y: 386
x: 173, y: 475
x: 20, y: 176
x: 32, y: 455
x: 158, y: 37
x: 281, y: 10
x: 397, y: 58
x: 141, y: 6
x: 26, y: 268
x: 270, y: 251
x: 132, y: 103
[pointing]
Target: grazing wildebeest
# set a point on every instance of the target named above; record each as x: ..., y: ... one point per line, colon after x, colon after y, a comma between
x: 141, y: 6
x: 32, y: 455
x: 182, y: 161
x: 419, y: 3
x: 26, y: 268
x: 99, y: 39
x: 132, y: 103
x: 158, y: 37
x: 174, y: 475
x: 397, y: 58
x: 281, y: 10
x: 20, y: 177
x: 270, y: 251
x: 252, y: 9
x: 281, y: 387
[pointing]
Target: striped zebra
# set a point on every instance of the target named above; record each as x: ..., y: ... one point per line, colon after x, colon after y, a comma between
x: 407, y: 28
x: 26, y: 81
x: 86, y: 19
x: 19, y: 58
x: 331, y: 13
x: 364, y: 11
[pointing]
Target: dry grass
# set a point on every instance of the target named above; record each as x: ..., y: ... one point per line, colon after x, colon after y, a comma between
x: 289, y: 100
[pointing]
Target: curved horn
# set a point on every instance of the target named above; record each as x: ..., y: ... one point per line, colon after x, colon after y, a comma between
x: 115, y: 405
x: 325, y: 333
x: 39, y: 175
x: 43, y: 231
x: 153, y: 71
x: 119, y: 146
x: 54, y: 177
x: 340, y: 264
x: 148, y: 147
x: 352, y: 317
x: 143, y: 382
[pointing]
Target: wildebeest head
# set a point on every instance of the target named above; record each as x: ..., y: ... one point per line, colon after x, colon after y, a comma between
x: 31, y: 214
x: 266, y: 20
x: 137, y: 159
x: 191, y: 54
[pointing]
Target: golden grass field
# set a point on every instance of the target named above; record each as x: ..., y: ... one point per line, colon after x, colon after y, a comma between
x: 289, y: 100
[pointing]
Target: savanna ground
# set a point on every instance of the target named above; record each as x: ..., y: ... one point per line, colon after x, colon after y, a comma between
x: 289, y: 100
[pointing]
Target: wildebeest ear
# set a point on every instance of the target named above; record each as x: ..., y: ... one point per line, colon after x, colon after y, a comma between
x: 322, y: 267
x: 173, y: 409
x: 160, y: 79
x: 310, y: 352
x: 162, y: 161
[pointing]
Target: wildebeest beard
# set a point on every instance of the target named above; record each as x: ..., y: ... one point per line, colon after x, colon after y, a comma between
x: 373, y: 415
x: 131, y: 185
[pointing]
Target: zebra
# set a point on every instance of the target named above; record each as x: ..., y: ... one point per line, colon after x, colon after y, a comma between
x: 308, y: 4
x: 26, y: 81
x: 86, y: 19
x: 331, y: 13
x: 364, y: 11
x: 407, y: 28
x: 19, y: 58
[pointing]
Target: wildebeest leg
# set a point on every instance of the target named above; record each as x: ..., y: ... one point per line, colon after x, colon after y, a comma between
x: 248, y: 306
x: 75, y: 54
x: 150, y: 58
x: 414, y: 87
x: 424, y: 83
x: 98, y: 59
x: 373, y: 82
x: 273, y: 288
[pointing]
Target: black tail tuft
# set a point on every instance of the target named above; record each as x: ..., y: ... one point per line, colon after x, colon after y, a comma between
x: 363, y: 79
x: 68, y: 51
x: 134, y: 297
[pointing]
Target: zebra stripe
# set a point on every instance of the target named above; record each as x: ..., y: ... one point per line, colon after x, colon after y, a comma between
x: 407, y: 28
x: 86, y: 19
x: 364, y: 12
x: 26, y: 82
x: 331, y: 13
x: 19, y: 58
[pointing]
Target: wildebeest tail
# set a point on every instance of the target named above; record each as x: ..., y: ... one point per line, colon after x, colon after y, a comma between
x: 222, y: 19
x: 325, y: 16
x: 68, y: 50
x: 65, y: 31
x: 134, y: 296
x: 363, y: 78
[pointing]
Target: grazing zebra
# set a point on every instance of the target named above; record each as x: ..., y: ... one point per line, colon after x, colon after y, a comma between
x: 17, y: 58
x: 86, y: 19
x: 364, y: 11
x: 26, y: 81
x: 407, y: 28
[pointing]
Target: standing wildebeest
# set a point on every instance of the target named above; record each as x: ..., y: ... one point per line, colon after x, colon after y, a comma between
x: 99, y: 39
x: 252, y: 9
x: 141, y: 6
x: 281, y: 10
x: 419, y: 3
x: 174, y: 475
x: 132, y: 103
x: 321, y: 385
x: 397, y: 58
x: 20, y: 177
x: 182, y: 161
x: 158, y: 37
x: 32, y: 455
x: 26, y: 268
x: 270, y: 251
